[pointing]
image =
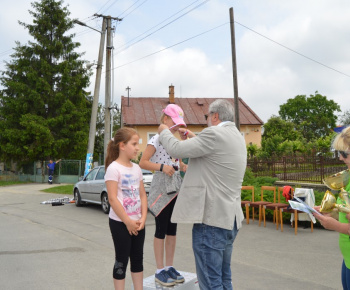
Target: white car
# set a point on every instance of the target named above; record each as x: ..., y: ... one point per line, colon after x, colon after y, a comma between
x: 92, y: 188
x: 147, y: 179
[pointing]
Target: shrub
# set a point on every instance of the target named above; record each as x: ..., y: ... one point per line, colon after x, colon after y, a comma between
x: 257, y: 182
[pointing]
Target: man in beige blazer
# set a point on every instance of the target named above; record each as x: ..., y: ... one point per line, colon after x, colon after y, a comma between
x: 210, y: 195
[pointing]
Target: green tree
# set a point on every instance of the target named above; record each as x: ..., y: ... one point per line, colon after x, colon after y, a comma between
x: 345, y: 118
x: 271, y: 146
x: 252, y: 150
x: 314, y: 117
x: 321, y: 145
x: 99, y: 139
x: 276, y: 126
x: 291, y: 148
x: 44, y: 108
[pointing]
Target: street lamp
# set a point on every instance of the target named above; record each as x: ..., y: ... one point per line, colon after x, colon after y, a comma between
x: 76, y: 21
x: 92, y: 132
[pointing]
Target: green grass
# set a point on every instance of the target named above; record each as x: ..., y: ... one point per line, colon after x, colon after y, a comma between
x: 61, y: 189
x: 11, y: 182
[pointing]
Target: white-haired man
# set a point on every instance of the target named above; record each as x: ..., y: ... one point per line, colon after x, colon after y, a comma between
x: 210, y: 195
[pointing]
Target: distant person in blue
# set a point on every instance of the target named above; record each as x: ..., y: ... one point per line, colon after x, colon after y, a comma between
x: 51, y: 168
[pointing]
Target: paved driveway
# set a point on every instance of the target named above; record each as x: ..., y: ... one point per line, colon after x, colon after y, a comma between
x: 65, y: 247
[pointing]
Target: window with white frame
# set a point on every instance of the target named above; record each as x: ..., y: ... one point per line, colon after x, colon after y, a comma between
x: 150, y: 135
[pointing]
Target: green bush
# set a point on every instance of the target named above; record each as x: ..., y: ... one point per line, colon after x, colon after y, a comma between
x: 257, y: 182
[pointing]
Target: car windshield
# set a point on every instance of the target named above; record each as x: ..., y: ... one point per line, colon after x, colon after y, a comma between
x: 91, y: 174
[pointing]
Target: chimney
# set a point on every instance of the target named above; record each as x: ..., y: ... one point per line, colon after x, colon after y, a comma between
x: 171, y: 95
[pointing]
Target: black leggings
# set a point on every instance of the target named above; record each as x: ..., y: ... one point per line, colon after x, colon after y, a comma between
x: 163, y: 224
x: 126, y: 246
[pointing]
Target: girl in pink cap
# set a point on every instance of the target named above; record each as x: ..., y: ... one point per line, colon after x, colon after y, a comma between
x: 163, y: 192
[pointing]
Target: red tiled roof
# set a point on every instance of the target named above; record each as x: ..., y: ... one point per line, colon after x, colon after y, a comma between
x: 147, y: 111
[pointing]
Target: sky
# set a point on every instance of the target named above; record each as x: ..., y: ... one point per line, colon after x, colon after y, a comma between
x: 283, y: 48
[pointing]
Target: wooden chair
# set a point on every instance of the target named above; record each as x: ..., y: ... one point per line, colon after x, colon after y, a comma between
x: 246, y: 203
x: 261, y: 203
x: 295, y: 222
x: 275, y: 207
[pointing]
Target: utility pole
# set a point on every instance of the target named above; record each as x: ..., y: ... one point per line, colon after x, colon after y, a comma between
x: 92, y: 132
x: 234, y: 69
x: 109, y: 47
x: 106, y: 26
x: 108, y: 86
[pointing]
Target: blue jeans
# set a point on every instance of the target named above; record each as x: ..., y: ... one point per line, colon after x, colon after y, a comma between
x: 345, y: 277
x: 212, y: 249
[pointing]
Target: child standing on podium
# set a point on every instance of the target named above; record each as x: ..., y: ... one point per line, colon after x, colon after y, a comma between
x: 162, y: 197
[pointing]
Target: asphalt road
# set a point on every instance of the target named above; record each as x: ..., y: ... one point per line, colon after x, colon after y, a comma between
x: 65, y: 247
x: 59, y: 247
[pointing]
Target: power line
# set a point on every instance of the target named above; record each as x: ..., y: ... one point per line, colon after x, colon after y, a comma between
x: 133, y: 9
x: 111, y: 5
x: 90, y: 18
x: 105, y: 5
x: 292, y: 50
x: 158, y: 24
x: 164, y: 25
x: 6, y: 52
x: 171, y: 46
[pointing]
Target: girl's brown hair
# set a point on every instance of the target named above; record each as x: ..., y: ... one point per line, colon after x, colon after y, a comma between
x: 123, y: 135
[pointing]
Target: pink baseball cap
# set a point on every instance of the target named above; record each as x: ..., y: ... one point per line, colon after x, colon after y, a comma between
x: 175, y: 113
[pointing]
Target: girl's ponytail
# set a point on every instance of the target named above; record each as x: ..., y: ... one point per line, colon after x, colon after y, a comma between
x: 112, y: 152
x: 123, y: 135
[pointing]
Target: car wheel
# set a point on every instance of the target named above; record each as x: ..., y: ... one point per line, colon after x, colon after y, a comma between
x: 104, y: 203
x: 77, y: 197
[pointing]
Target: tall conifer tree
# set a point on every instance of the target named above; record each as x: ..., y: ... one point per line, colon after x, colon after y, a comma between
x: 44, y: 109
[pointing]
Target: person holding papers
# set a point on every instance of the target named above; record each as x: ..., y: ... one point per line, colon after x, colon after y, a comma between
x: 342, y: 144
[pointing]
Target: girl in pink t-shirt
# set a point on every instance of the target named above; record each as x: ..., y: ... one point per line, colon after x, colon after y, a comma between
x: 128, y: 200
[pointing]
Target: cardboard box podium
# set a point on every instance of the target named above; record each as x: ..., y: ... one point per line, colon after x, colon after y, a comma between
x: 191, y: 283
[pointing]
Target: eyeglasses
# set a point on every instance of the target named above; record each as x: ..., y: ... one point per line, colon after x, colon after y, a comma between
x: 207, y: 115
x: 344, y: 154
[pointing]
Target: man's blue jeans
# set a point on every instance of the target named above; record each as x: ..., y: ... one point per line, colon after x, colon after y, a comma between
x: 212, y: 249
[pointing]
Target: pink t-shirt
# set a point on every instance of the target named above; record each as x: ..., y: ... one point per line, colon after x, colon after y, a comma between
x: 128, y: 179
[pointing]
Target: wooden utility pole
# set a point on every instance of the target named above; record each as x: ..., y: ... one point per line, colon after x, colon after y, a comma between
x: 106, y: 26
x: 109, y: 47
x: 234, y: 69
x: 94, y: 109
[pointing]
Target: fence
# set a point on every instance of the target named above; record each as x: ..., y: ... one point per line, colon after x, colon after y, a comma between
x: 66, y: 171
x: 298, y: 168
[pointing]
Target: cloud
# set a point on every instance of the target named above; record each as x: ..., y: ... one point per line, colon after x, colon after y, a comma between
x: 268, y: 74
x: 189, y: 70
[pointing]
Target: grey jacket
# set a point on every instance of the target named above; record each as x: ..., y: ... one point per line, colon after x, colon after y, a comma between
x: 163, y: 190
x: 211, y: 189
